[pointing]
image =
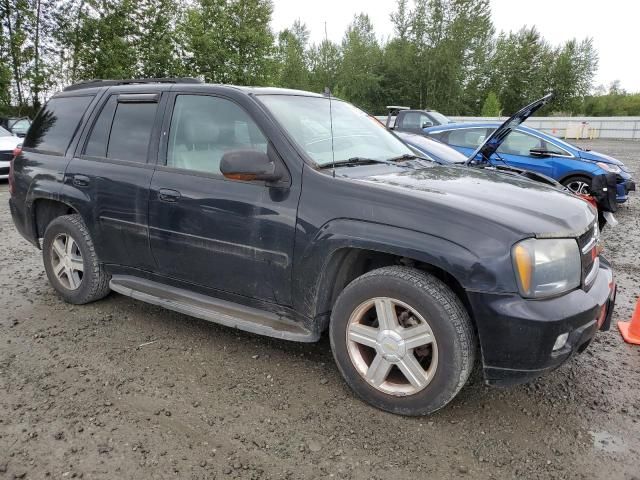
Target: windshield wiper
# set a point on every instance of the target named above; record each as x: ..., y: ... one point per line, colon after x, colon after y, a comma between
x: 362, y: 160
x: 408, y: 156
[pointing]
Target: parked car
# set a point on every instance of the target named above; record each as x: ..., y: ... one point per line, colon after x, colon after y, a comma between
x: 405, y: 119
x: 8, y: 143
x: 531, y: 149
x: 16, y: 125
x: 288, y: 214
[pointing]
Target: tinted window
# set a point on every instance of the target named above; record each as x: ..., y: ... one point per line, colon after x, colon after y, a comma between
x: 467, y: 137
x: 131, y: 131
x: 415, y: 120
x: 54, y: 126
x: 204, y: 128
x: 97, y: 144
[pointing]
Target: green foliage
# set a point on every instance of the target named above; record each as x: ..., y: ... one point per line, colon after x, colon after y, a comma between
x: 444, y: 54
x: 292, y: 57
x: 491, y: 106
x: 616, y: 102
x: 359, y: 74
x: 229, y: 41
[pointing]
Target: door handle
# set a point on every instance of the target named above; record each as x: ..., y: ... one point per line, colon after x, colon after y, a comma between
x: 80, y: 180
x: 167, y: 195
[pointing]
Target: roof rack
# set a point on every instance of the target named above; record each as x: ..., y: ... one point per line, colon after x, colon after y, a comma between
x: 132, y: 81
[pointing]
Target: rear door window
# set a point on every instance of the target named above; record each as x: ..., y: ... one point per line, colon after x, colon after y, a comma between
x: 122, y: 131
x: 56, y: 124
x: 467, y: 137
x: 131, y: 131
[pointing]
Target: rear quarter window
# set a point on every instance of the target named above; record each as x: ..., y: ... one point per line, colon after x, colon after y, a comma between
x: 56, y: 123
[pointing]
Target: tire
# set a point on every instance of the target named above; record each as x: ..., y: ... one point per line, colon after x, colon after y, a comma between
x: 80, y: 277
x: 429, y: 301
x: 578, y: 180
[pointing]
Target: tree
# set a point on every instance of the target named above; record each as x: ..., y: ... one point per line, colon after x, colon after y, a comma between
x: 156, y: 40
x: 292, y: 57
x: 325, y: 60
x: 229, y: 41
x: 359, y: 75
x: 491, y: 106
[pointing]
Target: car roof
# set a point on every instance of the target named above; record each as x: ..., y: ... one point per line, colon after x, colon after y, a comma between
x: 134, y: 85
x: 462, y: 125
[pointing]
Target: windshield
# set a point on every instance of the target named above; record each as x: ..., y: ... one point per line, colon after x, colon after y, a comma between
x: 355, y: 134
x: 439, y: 118
x: 5, y: 133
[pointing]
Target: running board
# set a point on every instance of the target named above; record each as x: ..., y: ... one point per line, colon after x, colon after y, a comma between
x: 212, y: 309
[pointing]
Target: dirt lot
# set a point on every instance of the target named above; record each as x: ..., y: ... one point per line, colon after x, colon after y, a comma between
x: 120, y: 389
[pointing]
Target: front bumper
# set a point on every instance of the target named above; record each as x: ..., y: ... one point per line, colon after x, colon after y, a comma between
x: 624, y: 186
x: 517, y: 335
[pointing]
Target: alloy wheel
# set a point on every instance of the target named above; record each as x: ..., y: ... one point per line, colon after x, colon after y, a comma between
x: 67, y: 262
x: 579, y: 187
x: 392, y: 346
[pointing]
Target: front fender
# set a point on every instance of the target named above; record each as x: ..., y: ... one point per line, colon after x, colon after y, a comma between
x: 314, y: 272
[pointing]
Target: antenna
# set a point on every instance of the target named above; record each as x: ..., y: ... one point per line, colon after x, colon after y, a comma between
x: 327, y: 91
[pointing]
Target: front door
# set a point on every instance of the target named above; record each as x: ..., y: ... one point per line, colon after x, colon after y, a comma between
x: 516, y: 152
x: 230, y: 235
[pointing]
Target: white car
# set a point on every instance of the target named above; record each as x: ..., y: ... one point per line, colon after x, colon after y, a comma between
x: 8, y: 142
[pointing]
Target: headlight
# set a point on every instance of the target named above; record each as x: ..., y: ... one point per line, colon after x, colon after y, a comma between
x: 609, y: 167
x: 546, y: 267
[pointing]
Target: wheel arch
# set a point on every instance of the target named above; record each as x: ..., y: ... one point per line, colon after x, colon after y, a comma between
x: 576, y: 173
x: 44, y: 210
x: 348, y: 263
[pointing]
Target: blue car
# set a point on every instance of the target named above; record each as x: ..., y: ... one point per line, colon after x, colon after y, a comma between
x: 533, y: 150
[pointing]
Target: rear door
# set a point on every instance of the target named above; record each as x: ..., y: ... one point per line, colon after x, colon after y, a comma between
x: 229, y: 235
x: 111, y: 173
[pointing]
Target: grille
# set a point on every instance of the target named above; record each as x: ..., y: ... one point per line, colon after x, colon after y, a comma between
x: 6, y: 156
x: 4, y: 171
x: 588, y: 243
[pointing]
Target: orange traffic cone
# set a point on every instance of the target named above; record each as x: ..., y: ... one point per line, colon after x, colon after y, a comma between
x: 631, y: 330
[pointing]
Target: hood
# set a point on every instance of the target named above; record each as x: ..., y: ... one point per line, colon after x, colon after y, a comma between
x: 598, y: 157
x: 528, y: 207
x: 9, y: 143
x: 493, y: 142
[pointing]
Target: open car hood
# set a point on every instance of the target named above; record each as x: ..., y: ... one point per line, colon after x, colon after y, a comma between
x: 493, y: 141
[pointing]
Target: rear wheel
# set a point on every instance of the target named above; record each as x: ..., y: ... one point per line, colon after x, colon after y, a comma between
x: 402, y: 340
x: 71, y: 262
x: 578, y: 184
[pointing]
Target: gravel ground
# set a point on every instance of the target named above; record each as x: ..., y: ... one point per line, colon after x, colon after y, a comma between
x: 121, y: 389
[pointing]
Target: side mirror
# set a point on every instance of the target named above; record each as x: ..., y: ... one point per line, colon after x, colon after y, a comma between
x: 248, y: 165
x: 539, y: 152
x: 427, y: 124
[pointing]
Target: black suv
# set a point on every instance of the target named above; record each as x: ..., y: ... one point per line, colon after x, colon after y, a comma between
x: 287, y: 214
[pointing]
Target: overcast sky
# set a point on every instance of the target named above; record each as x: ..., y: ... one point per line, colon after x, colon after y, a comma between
x: 613, y: 24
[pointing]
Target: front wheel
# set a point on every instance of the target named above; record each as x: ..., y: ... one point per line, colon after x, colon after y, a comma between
x: 402, y: 340
x: 578, y: 184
